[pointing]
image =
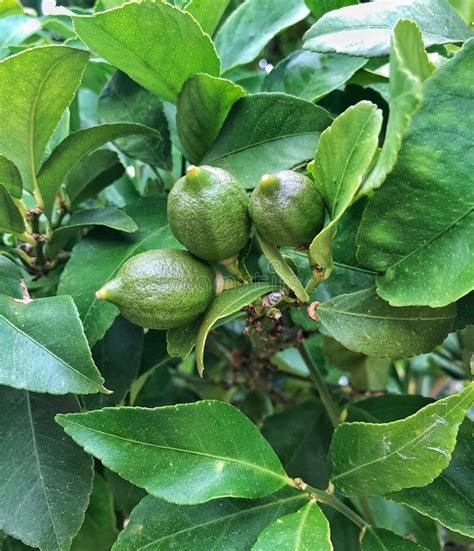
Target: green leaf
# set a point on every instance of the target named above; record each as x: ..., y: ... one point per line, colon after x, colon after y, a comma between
x: 202, y: 451
x: 10, y: 178
x: 409, y: 67
x: 11, y: 219
x: 373, y: 459
x: 92, y: 174
x: 106, y: 253
x: 345, y: 152
x: 123, y: 100
x: 10, y: 278
x: 10, y: 7
x: 267, y: 133
x: 14, y: 30
x: 383, y: 409
x: 127, y: 38
x: 448, y: 499
x: 109, y: 217
x: 365, y: 29
x: 378, y: 539
x: 181, y: 340
x: 305, y: 530
x: 310, y: 75
x: 48, y: 78
x: 252, y: 25
x: 221, y: 524
x: 320, y: 7
x: 34, y: 355
x: 363, y: 322
x: 203, y: 105
x: 207, y: 13
x: 224, y: 305
x: 45, y: 479
x: 283, y: 269
x: 300, y: 437
x: 422, y: 242
x: 75, y: 147
x: 98, y: 531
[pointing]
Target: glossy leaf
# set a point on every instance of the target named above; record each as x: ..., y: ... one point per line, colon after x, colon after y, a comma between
x: 245, y: 32
x: 11, y: 219
x: 45, y: 479
x: 283, y: 269
x: 123, y: 100
x: 92, y: 174
x: 300, y: 531
x: 10, y: 178
x: 344, y: 154
x: 224, y: 305
x: 448, y: 499
x: 182, y: 340
x: 10, y: 278
x: 365, y: 29
x: 14, y: 30
x: 252, y: 143
x: 422, y: 243
x: 74, y: 148
x: 363, y: 322
x: 310, y: 75
x: 98, y: 531
x: 203, y: 105
x: 220, y: 524
x: 374, y: 459
x: 202, y: 451
x: 378, y: 539
x: 106, y: 253
x: 207, y: 13
x: 48, y: 78
x: 127, y: 38
x: 34, y: 355
x: 109, y: 217
x: 409, y: 67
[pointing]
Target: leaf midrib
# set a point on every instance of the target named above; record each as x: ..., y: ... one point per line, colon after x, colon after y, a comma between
x: 386, y: 318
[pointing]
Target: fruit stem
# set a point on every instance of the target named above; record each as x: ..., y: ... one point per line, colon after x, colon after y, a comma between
x: 232, y: 266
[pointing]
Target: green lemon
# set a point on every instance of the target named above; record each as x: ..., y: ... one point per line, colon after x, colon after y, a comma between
x: 161, y: 289
x: 208, y: 213
x: 287, y: 209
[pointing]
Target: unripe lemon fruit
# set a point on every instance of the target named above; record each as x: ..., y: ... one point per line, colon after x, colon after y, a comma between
x: 287, y: 209
x: 161, y: 289
x: 208, y: 213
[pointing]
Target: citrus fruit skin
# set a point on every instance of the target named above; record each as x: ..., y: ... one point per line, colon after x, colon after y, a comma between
x: 161, y: 289
x: 287, y: 209
x: 208, y: 213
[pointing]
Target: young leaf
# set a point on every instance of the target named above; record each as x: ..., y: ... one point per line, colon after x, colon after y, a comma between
x: 207, y: 13
x: 203, y: 105
x: 127, y: 38
x: 109, y: 217
x: 123, y: 100
x: 98, y: 531
x: 225, y: 304
x: 365, y: 29
x: 422, y: 242
x: 409, y: 67
x: 215, y: 525
x: 254, y: 140
x: 378, y: 539
x: 45, y: 478
x: 363, y: 322
x: 344, y: 154
x: 310, y: 75
x: 36, y: 86
x: 10, y: 278
x: 106, y: 253
x: 75, y: 147
x: 305, y: 530
x: 374, y: 459
x: 448, y: 499
x: 245, y: 32
x: 11, y: 219
x: 10, y: 178
x: 34, y: 355
x: 201, y: 451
